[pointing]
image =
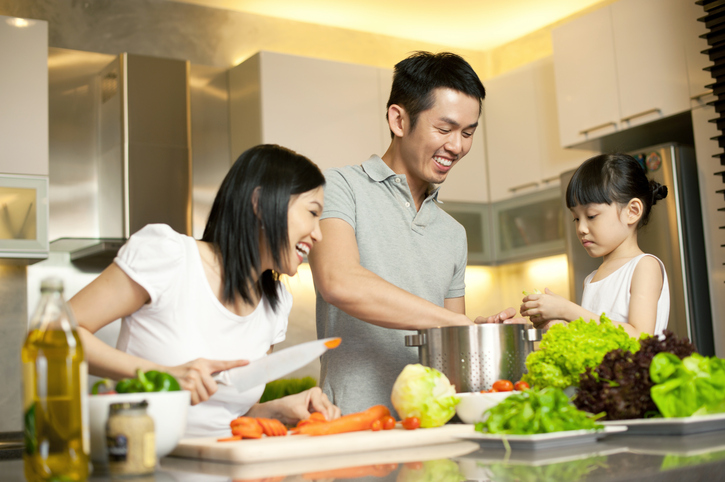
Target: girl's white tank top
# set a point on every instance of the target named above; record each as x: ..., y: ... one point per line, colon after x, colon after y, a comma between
x: 611, y: 295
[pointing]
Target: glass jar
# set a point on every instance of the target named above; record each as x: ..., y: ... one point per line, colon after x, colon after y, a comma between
x: 130, y: 439
x: 55, y: 381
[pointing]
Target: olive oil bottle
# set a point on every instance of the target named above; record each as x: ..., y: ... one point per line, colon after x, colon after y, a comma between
x: 55, y: 380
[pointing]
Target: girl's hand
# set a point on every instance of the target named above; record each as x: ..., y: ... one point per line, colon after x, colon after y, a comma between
x: 545, y: 307
x: 196, y: 376
x: 293, y: 408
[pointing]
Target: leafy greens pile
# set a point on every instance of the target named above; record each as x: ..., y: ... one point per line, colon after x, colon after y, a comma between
x: 620, y: 385
x: 566, y: 351
x: 694, y: 385
x: 536, y: 411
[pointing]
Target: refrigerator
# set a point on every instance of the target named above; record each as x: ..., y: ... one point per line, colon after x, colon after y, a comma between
x: 674, y: 234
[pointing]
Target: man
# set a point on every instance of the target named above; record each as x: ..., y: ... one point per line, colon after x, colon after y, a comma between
x: 390, y: 259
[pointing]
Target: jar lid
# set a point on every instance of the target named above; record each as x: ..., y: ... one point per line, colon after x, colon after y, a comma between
x: 121, y: 406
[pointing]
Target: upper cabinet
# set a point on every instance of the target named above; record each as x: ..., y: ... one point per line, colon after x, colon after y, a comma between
x: 331, y: 112
x: 24, y: 96
x: 522, y: 134
x: 620, y: 66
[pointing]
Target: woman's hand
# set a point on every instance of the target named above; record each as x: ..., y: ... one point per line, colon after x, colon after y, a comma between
x: 542, y: 308
x: 293, y: 408
x: 196, y: 376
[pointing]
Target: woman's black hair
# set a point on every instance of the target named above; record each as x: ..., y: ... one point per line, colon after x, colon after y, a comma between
x: 616, y: 178
x: 233, y: 228
x: 416, y: 77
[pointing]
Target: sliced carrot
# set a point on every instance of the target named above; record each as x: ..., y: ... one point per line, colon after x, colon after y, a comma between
x: 229, y: 439
x: 353, y: 422
x: 315, y: 417
x: 272, y: 427
x: 318, y: 417
x: 248, y: 431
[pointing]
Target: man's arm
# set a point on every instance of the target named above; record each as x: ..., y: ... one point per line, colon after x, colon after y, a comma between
x: 344, y: 283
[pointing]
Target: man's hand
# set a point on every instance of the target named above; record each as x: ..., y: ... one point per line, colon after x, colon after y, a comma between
x: 506, y: 316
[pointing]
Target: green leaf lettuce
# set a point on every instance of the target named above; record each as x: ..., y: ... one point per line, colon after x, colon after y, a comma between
x: 567, y: 350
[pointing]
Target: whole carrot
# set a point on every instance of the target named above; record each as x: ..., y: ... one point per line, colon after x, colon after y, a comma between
x: 353, y: 422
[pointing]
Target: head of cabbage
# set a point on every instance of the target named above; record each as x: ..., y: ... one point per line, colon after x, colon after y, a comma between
x: 425, y: 393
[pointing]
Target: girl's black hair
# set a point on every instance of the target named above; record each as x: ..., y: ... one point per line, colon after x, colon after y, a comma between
x: 616, y: 178
x: 233, y: 227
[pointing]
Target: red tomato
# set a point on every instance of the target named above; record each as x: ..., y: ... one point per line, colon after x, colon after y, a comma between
x: 388, y: 422
x: 376, y: 425
x: 521, y: 385
x: 502, y: 386
x: 411, y: 423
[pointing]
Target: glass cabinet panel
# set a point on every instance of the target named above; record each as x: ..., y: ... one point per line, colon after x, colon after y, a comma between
x: 475, y: 217
x: 529, y: 226
x: 23, y: 217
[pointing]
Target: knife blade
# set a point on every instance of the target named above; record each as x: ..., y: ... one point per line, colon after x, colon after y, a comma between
x: 276, y: 365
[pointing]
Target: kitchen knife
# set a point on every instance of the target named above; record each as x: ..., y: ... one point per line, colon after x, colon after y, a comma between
x: 276, y: 365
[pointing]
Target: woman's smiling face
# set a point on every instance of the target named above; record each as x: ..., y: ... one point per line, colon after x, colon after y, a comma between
x: 303, y: 227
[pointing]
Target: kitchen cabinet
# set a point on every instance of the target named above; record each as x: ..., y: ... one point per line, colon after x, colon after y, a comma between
x: 526, y: 227
x: 522, y: 133
x: 23, y: 96
x: 24, y: 140
x: 476, y: 219
x: 331, y: 112
x: 622, y: 65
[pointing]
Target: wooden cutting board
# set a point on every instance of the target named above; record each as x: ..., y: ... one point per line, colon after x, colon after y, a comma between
x: 308, y: 465
x: 297, y: 446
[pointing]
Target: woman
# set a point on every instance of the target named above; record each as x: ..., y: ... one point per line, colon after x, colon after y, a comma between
x: 193, y: 308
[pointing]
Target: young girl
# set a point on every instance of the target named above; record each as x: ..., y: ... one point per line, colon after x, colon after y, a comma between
x: 610, y: 198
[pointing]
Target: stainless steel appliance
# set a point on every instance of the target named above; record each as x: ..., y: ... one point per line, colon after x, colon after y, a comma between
x: 120, y: 150
x: 473, y: 357
x: 674, y: 234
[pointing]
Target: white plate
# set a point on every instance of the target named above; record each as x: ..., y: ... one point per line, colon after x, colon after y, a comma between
x: 542, y: 440
x: 671, y: 426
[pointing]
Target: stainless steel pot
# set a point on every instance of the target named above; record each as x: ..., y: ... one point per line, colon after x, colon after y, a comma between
x: 473, y: 357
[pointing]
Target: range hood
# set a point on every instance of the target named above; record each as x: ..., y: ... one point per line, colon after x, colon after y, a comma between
x: 120, y: 154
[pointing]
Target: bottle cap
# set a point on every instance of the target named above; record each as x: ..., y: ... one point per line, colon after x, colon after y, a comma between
x: 52, y: 283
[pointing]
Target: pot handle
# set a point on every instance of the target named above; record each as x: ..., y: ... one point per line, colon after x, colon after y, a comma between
x: 415, y: 340
x: 531, y: 334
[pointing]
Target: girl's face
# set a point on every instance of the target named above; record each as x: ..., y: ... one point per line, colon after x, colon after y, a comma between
x: 602, y: 228
x: 303, y: 227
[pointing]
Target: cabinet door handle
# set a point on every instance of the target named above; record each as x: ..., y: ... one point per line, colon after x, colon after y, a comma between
x: 600, y: 126
x: 551, y: 179
x: 524, y: 186
x: 640, y: 114
x: 701, y: 95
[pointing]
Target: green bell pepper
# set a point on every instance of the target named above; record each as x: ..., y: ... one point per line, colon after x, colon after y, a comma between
x: 162, y: 382
x: 151, y: 381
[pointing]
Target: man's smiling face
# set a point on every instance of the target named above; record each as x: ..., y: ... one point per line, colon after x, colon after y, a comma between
x: 442, y: 135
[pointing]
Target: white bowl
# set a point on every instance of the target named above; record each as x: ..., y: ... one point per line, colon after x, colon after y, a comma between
x: 473, y: 404
x: 168, y: 409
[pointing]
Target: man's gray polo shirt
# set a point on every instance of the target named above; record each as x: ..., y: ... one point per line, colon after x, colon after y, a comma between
x: 421, y: 252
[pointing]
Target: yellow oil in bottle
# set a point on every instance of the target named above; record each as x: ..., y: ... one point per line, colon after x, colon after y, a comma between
x: 55, y: 387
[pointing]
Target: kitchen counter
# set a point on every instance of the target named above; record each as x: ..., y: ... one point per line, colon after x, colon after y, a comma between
x: 614, y: 458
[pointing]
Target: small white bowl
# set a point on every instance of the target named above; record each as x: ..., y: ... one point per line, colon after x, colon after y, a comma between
x: 473, y: 404
x: 168, y: 409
